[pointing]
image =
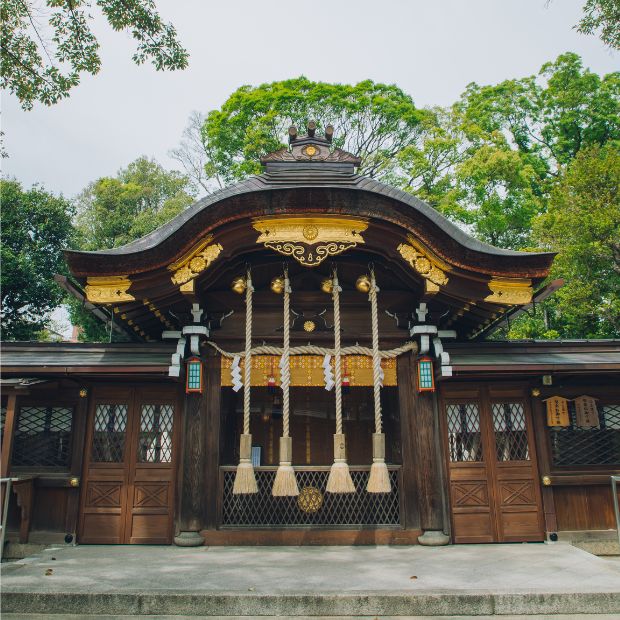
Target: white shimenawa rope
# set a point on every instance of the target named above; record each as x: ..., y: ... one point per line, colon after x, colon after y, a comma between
x: 247, y: 375
x: 245, y: 480
x: 339, y: 480
x: 286, y: 353
x: 376, y: 358
x: 314, y: 350
x: 285, y: 484
x: 379, y: 479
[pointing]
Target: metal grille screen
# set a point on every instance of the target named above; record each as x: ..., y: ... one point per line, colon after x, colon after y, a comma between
x: 43, y: 437
x: 575, y: 445
x: 510, y: 432
x: 155, y: 440
x: 464, y: 432
x: 109, y: 433
x: 347, y: 509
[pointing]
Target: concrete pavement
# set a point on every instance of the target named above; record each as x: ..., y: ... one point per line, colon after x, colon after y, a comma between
x: 518, y: 579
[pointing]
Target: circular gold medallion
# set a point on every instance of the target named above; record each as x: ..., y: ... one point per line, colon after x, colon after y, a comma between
x: 310, y: 499
x: 310, y: 232
x: 309, y: 326
x: 197, y: 264
x: 310, y: 150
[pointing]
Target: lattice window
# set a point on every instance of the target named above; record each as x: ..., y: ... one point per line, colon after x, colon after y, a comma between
x: 575, y: 445
x: 464, y: 439
x: 510, y: 432
x: 155, y: 440
x: 109, y: 433
x: 43, y: 437
x: 347, y: 509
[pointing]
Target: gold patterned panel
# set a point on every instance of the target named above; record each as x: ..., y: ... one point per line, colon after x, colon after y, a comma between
x: 307, y: 370
x: 424, y: 262
x: 108, y: 289
x: 310, y: 240
x: 194, y: 262
x: 517, y: 291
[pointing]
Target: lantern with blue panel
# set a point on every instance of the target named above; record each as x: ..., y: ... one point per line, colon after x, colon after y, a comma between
x: 426, y: 377
x: 193, y: 376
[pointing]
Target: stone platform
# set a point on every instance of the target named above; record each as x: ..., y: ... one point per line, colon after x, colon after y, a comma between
x: 467, y: 580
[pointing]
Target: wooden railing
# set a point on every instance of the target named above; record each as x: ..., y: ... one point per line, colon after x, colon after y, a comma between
x: 314, y: 507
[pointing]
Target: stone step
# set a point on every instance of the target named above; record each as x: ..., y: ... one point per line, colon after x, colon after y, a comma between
x: 125, y: 617
x: 289, y: 604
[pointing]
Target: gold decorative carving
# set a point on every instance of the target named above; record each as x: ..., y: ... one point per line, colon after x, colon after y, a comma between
x: 309, y: 326
x: 310, y: 500
x: 308, y: 371
x: 108, y: 289
x: 425, y: 263
x: 194, y: 262
x: 515, y: 291
x: 310, y: 240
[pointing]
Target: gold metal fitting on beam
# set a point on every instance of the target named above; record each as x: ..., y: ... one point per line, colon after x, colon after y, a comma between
x: 327, y: 286
x: 277, y: 285
x: 239, y: 285
x: 363, y: 284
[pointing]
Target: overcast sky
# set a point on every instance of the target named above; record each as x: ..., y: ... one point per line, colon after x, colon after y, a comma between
x: 431, y: 49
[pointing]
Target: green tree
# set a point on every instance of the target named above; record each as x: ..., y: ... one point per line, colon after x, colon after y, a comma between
x: 491, y: 161
x: 36, y: 227
x: 46, y: 46
x: 602, y: 17
x: 582, y: 224
x: 114, y: 211
x: 373, y: 121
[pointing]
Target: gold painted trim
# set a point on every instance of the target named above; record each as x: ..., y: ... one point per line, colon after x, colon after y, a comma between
x: 108, y: 289
x: 515, y: 292
x: 310, y: 240
x: 424, y: 262
x: 195, y: 261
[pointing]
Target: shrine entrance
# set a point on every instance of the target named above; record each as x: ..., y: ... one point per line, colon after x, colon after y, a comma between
x: 128, y: 477
x: 312, y: 425
x: 492, y: 467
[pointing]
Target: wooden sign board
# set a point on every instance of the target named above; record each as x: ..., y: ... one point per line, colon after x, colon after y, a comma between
x: 557, y: 411
x: 586, y: 412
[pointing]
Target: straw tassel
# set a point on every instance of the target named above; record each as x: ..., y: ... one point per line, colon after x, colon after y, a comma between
x: 245, y: 480
x: 379, y: 479
x: 339, y: 480
x: 285, y: 483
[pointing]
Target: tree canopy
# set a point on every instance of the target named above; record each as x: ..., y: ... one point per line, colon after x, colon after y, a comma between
x: 46, y: 46
x: 374, y: 121
x: 602, y: 17
x: 36, y: 227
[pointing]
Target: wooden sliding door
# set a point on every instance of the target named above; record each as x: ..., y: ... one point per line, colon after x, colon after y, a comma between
x: 494, y: 490
x: 128, y: 479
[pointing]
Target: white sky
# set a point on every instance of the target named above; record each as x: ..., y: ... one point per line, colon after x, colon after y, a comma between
x: 431, y: 49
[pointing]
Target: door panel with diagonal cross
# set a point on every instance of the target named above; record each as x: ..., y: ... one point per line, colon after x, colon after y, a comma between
x: 494, y: 491
x: 128, y: 479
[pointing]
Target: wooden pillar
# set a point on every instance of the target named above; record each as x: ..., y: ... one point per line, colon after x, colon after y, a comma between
x: 409, y: 491
x: 192, y: 484
x: 544, y: 465
x: 9, y: 432
x: 212, y: 451
x: 77, y: 460
x: 428, y: 449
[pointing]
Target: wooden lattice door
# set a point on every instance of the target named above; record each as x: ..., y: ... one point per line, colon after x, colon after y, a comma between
x: 494, y: 490
x: 128, y: 479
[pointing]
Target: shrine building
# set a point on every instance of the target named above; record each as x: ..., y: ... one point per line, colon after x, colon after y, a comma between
x: 307, y: 360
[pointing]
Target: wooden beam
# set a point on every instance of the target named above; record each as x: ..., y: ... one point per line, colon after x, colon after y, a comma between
x: 409, y: 492
x: 427, y: 444
x: 77, y: 459
x: 9, y: 432
x: 212, y: 449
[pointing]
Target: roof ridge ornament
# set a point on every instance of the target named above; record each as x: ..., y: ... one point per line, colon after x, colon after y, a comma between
x: 311, y: 148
